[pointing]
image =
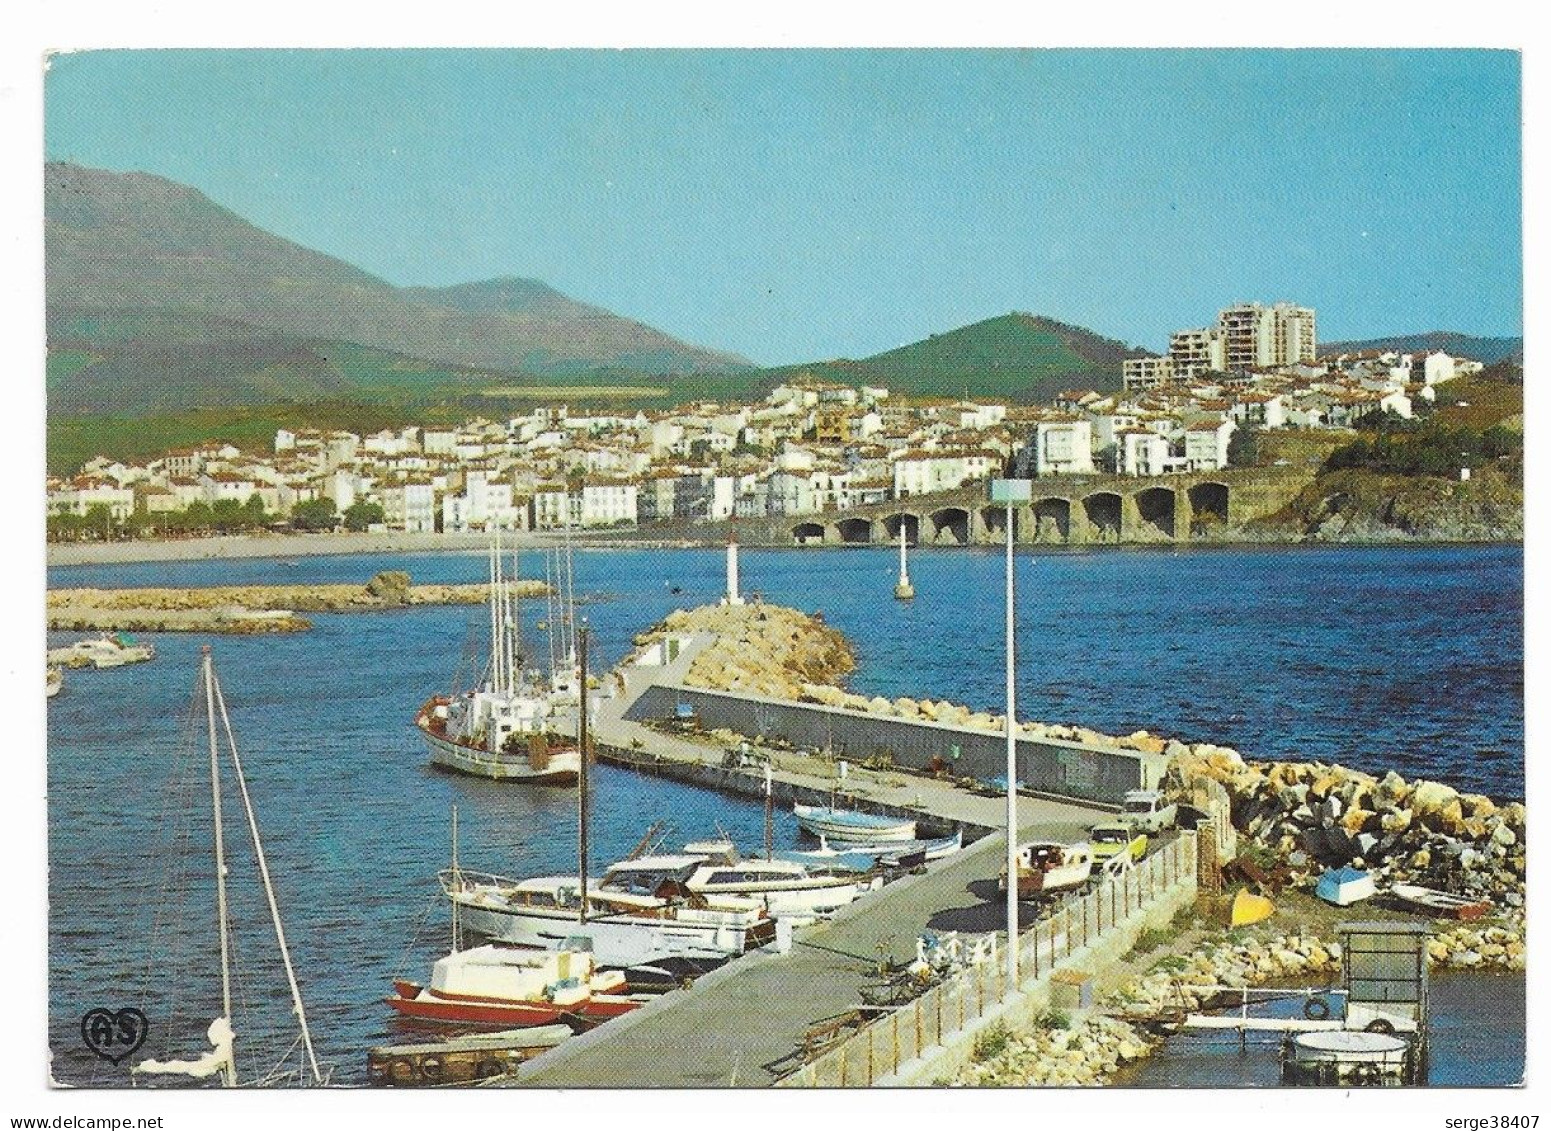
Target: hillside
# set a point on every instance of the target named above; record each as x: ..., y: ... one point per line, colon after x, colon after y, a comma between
x: 1020, y: 357
x: 1487, y: 350
x: 160, y: 298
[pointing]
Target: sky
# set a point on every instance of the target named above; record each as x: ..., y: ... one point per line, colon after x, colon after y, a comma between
x: 801, y: 205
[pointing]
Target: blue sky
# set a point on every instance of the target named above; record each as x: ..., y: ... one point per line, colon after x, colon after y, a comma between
x: 802, y: 205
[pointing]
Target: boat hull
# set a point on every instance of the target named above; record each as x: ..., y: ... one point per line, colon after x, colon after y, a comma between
x: 617, y: 942
x: 563, y: 768
x: 1438, y: 904
x: 834, y: 825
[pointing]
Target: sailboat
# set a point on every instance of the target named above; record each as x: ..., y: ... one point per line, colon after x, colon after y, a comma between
x: 506, y: 728
x: 222, y: 1060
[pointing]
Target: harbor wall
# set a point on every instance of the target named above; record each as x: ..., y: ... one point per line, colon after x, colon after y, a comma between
x: 751, y: 784
x: 1045, y: 765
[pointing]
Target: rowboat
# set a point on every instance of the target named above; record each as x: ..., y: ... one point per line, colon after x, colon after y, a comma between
x: 1440, y: 904
x: 865, y: 857
x: 1345, y: 886
x: 850, y: 826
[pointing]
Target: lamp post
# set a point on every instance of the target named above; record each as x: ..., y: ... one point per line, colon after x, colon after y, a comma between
x: 1007, y: 492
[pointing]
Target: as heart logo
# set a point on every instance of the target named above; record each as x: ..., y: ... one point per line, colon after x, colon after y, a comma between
x: 113, y: 1036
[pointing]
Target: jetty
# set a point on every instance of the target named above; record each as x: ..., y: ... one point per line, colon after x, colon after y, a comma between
x: 250, y: 608
x: 754, y: 1021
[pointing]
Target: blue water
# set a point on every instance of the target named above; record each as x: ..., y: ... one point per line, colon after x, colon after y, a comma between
x: 1379, y: 658
x: 1475, y: 1039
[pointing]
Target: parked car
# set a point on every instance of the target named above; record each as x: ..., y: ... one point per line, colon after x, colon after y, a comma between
x: 1112, y: 838
x: 1145, y: 809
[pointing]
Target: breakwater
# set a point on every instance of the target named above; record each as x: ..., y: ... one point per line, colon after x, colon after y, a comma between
x: 250, y: 608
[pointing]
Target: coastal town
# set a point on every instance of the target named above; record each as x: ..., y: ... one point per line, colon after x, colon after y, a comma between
x: 807, y: 448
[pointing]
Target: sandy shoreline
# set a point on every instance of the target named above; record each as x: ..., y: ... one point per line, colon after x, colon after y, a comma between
x: 273, y: 546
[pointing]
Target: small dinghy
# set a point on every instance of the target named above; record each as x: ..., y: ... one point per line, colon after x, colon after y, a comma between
x: 1345, y: 886
x: 1439, y: 904
x: 851, y: 827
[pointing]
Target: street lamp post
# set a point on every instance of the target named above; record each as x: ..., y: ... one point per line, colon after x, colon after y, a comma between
x: 1007, y: 492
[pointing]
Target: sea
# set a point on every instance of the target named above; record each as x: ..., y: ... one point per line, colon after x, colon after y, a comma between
x: 1404, y: 658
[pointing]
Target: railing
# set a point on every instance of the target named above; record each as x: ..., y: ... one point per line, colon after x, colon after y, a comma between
x: 957, y: 1002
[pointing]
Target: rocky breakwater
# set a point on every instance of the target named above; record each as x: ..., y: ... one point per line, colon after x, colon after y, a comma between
x: 249, y: 608
x: 1310, y: 816
x: 761, y: 649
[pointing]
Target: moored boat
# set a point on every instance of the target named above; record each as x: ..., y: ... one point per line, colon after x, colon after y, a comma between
x: 626, y: 926
x: 508, y: 728
x: 1046, y: 867
x: 110, y: 650
x: 54, y: 682
x: 865, y: 857
x: 785, y: 887
x: 851, y: 826
x: 1439, y: 904
x: 491, y: 985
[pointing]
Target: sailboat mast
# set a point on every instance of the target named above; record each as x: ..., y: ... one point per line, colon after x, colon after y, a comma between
x: 229, y: 1072
x: 517, y: 657
x: 457, y: 881
x: 583, y: 775
x: 269, y: 887
x: 495, y: 636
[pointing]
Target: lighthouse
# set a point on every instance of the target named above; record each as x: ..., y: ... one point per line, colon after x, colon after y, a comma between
x: 904, y: 591
x: 732, y: 597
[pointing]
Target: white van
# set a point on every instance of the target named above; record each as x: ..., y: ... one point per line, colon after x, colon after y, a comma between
x: 1144, y: 809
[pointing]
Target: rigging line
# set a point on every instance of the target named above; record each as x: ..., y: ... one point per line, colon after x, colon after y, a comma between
x: 269, y: 887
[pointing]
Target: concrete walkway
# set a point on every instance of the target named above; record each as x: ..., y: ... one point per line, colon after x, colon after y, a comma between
x: 732, y: 1024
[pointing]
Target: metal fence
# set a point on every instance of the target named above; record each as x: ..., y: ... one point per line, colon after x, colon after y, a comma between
x: 903, y: 1034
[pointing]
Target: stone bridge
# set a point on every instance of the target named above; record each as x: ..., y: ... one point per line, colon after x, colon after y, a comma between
x: 1065, y: 510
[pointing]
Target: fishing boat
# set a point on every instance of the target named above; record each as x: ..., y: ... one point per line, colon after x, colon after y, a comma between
x: 1345, y: 886
x: 110, y: 650
x: 1046, y: 867
x: 491, y: 985
x: 222, y: 1058
x: 507, y: 728
x: 1439, y: 904
x: 852, y: 827
x: 464, y: 1059
x: 54, y: 682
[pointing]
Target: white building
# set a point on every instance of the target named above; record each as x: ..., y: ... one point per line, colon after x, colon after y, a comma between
x: 1063, y: 447
x: 409, y: 506
x: 1193, y: 352
x: 1144, y: 452
x: 609, y: 503
x: 1206, y: 444
x: 923, y: 472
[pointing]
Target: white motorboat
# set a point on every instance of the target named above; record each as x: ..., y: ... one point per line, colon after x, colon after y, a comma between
x: 852, y: 827
x: 508, y: 728
x: 864, y: 857
x: 787, y: 888
x: 110, y: 650
x: 637, y: 918
x: 1046, y: 867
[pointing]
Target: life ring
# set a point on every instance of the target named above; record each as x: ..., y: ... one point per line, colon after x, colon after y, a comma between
x: 431, y: 1069
x: 1316, y: 1009
x: 401, y: 1071
x: 1380, y: 1025
x: 486, y: 1069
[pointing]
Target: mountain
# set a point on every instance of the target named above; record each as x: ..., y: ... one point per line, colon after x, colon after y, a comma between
x: 144, y: 274
x: 1021, y: 357
x: 1451, y: 342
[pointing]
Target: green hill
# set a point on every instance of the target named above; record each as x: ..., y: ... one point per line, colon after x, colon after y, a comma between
x: 1019, y: 357
x: 1451, y: 342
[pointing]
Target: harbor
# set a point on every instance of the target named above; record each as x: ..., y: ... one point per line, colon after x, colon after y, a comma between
x: 653, y: 732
